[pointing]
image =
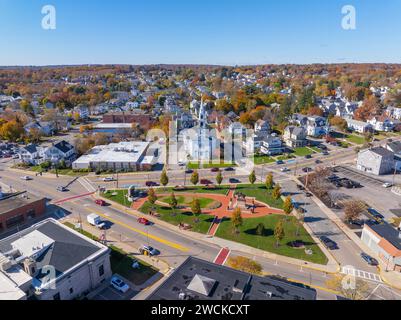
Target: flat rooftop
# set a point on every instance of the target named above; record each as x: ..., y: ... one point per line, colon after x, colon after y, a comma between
x: 389, y: 233
x: 198, y: 279
x: 116, y: 152
x: 49, y: 243
x: 16, y: 200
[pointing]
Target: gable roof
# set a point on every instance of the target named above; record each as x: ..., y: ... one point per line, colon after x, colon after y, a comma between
x: 63, y: 146
x: 31, y: 148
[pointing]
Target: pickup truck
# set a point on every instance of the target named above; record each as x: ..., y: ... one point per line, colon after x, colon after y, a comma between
x: 95, y: 221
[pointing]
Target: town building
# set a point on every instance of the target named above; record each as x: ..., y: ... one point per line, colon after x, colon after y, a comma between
x: 359, y: 126
x: 385, y: 241
x: 144, y: 120
x: 271, y: 145
x: 50, y: 261
x: 122, y: 156
x: 295, y: 137
x: 198, y: 279
x: 316, y: 126
x: 376, y: 160
x: 19, y: 208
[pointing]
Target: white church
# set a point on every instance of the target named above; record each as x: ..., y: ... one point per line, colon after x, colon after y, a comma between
x: 200, y: 143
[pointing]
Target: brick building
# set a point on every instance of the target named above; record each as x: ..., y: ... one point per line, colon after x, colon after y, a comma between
x: 144, y: 120
x: 19, y: 208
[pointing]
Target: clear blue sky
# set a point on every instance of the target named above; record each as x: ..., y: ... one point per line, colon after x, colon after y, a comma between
x: 201, y: 32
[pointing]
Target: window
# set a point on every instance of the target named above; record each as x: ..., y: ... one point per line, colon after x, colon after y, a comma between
x: 31, y: 214
x: 101, y: 270
x: 12, y: 222
x: 57, y: 296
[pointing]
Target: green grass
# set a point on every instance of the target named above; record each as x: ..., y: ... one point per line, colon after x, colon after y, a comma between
x: 120, y: 197
x: 316, y: 149
x: 259, y: 159
x: 285, y: 157
x: 121, y: 262
x: 355, y: 139
x: 186, y: 201
x: 343, y: 144
x: 302, y: 151
x: 177, y: 217
x: 196, y: 165
x: 65, y: 172
x: 267, y: 241
x: 260, y: 192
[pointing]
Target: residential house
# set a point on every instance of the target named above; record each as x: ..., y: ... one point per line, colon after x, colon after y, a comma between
x: 271, y: 145
x: 60, y: 151
x: 316, y: 126
x: 262, y: 127
x: 295, y: 137
x: 394, y: 112
x: 83, y: 111
x: 381, y: 124
x: 376, y: 160
x: 359, y: 126
x: 299, y: 119
x: 30, y: 154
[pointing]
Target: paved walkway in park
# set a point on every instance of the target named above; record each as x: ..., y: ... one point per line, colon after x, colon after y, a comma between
x: 224, y: 210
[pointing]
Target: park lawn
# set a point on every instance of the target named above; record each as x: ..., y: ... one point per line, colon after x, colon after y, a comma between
x: 302, y: 151
x: 259, y: 159
x: 355, y: 139
x: 343, y: 144
x: 166, y: 214
x: 121, y: 262
x: 65, y: 172
x: 120, y: 197
x: 260, y: 192
x: 267, y: 242
x: 186, y: 201
x: 197, y: 165
x: 285, y: 157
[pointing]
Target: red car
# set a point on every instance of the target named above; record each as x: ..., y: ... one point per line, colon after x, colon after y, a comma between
x: 215, y: 170
x: 205, y: 181
x: 144, y: 221
x: 151, y: 184
x: 100, y: 202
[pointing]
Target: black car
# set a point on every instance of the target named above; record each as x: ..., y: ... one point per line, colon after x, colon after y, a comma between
x: 357, y: 222
x: 229, y: 169
x: 328, y: 243
x: 376, y: 215
x: 307, y: 169
x: 189, y: 171
x: 308, y: 156
x: 233, y: 180
x: 318, y: 161
x: 371, y: 261
x: 325, y: 153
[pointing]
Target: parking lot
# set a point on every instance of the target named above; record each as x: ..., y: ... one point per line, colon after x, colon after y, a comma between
x: 372, y: 193
x: 110, y: 293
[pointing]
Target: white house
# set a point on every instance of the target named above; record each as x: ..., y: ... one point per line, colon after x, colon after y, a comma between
x: 359, y: 126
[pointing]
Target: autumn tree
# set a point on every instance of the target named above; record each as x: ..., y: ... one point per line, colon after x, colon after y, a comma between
x: 279, y: 232
x: 195, y: 178
x: 352, y: 210
x: 288, y: 206
x: 12, y: 130
x: 219, y: 178
x: 236, y: 220
x: 164, y: 178
x: 339, y: 123
x: 245, y: 264
x: 276, y: 193
x: 269, y: 181
x: 349, y: 287
x: 173, y: 202
x: 252, y: 177
x: 196, y: 207
x: 152, y: 197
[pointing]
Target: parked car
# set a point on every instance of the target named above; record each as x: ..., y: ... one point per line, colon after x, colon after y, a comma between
x: 108, y: 179
x: 307, y: 169
x: 234, y: 180
x: 100, y: 202
x: 278, y: 162
x: 205, y: 181
x: 26, y: 178
x: 229, y: 169
x: 94, y: 220
x: 285, y: 169
x: 144, y: 221
x: 376, y: 215
x: 318, y: 161
x: 328, y: 243
x: 325, y: 153
x: 61, y: 189
x: 308, y: 156
x: 215, y: 170
x: 357, y: 222
x: 370, y: 260
x: 189, y: 171
x: 148, y: 250
x: 151, y: 184
x: 119, y: 284
x: 387, y: 185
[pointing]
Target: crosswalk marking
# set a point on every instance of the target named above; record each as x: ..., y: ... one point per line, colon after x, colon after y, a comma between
x: 361, y: 274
